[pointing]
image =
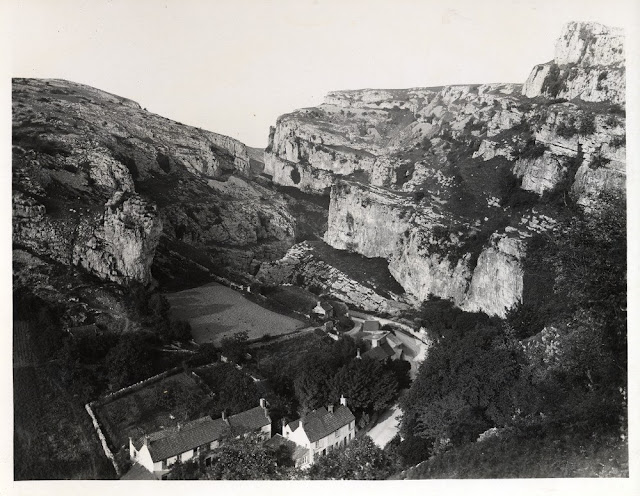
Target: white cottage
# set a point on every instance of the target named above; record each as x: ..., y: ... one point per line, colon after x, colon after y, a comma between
x: 158, y: 451
x: 320, y: 432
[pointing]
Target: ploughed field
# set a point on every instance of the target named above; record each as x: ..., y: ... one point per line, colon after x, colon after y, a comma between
x: 216, y: 311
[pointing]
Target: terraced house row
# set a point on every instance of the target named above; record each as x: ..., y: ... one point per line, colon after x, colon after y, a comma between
x: 313, y: 435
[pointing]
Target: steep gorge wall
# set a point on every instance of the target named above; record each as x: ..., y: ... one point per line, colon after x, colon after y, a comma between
x: 437, y: 183
x: 588, y: 64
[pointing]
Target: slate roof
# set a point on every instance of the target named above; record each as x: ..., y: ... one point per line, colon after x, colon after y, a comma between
x: 249, y: 420
x: 380, y: 352
x: 370, y: 326
x: 138, y: 472
x: 173, y: 441
x: 320, y: 423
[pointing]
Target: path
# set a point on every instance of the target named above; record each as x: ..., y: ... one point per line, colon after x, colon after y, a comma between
x: 387, y: 428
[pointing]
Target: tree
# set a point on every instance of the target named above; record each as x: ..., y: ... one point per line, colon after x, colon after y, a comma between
x: 472, y: 381
x: 401, y: 370
x: 129, y: 361
x: 243, y: 459
x: 360, y: 460
x: 367, y: 384
x: 235, y: 347
x: 189, y: 470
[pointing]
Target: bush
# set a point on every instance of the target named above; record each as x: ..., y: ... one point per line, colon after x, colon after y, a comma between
x: 553, y: 83
x: 587, y: 125
x: 532, y: 149
x: 618, y: 141
x: 567, y: 129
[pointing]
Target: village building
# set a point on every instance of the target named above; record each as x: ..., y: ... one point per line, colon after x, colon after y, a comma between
x: 370, y: 326
x: 158, y: 451
x: 323, y: 310
x: 320, y: 432
x: 384, y: 347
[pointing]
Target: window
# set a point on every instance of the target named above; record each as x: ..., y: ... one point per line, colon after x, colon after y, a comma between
x: 195, y: 451
x: 317, y: 443
x: 338, y: 433
x: 164, y: 464
x: 352, y: 425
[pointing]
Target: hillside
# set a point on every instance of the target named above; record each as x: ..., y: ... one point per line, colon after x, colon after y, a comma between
x: 448, y: 184
x: 489, y: 216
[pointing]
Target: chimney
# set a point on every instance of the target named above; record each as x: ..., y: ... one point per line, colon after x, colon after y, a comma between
x: 330, y: 408
x: 179, y: 426
x: 358, y: 354
x: 224, y: 416
x: 343, y: 400
x: 263, y: 403
x: 374, y: 342
x: 145, y: 440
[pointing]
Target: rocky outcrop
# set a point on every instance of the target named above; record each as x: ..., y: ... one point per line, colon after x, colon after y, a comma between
x: 76, y: 146
x: 588, y: 65
x: 497, y: 281
x: 121, y: 247
x: 301, y: 267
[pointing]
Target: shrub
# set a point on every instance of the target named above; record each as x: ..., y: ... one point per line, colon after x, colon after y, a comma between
x: 532, y: 149
x: 616, y: 109
x: 295, y: 175
x: 618, y: 141
x: 587, y: 125
x: 598, y: 161
x: 567, y: 129
x: 553, y: 84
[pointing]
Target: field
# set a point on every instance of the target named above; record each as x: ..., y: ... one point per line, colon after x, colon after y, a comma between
x: 215, y: 311
x: 150, y: 409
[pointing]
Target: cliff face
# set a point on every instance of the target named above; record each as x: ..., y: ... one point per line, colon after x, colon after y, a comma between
x: 101, y: 184
x: 588, y: 64
x: 121, y: 247
x: 433, y: 179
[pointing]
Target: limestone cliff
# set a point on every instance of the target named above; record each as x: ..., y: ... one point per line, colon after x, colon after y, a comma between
x: 588, y: 64
x: 187, y: 191
x: 121, y: 247
x: 436, y: 180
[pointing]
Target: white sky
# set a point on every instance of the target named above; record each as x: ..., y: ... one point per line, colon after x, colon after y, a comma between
x: 234, y: 66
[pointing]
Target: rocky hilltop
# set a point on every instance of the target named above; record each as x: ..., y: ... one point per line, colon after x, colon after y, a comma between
x: 104, y: 188
x: 448, y: 184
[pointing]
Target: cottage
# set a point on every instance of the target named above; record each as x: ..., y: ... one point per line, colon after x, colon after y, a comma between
x: 320, y: 432
x: 156, y: 452
x: 384, y: 347
x: 323, y: 310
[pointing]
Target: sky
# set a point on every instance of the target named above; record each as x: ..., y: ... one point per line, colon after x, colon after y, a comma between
x: 234, y: 66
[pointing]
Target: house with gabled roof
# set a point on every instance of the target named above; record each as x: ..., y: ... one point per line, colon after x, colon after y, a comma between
x: 320, y: 432
x: 158, y: 451
x: 323, y: 309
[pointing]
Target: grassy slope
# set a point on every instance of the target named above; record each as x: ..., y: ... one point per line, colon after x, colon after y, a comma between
x: 53, y: 434
x: 534, y: 455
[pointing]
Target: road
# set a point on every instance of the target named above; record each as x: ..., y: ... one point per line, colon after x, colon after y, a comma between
x: 387, y: 428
